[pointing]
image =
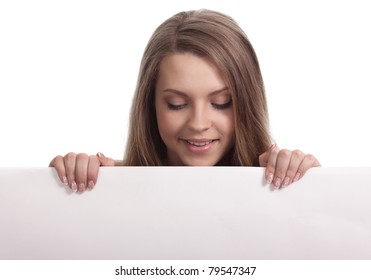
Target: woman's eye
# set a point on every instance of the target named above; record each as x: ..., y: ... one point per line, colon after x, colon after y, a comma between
x: 222, y: 106
x: 175, y: 106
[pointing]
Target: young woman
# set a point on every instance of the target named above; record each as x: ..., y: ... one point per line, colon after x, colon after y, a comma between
x: 199, y: 101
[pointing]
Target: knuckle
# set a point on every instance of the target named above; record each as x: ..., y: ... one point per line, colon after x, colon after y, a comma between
x: 280, y: 173
x: 290, y: 173
x: 58, y: 158
x: 271, y: 165
x: 310, y: 158
x: 275, y: 151
x: 80, y: 177
x: 261, y: 160
x: 70, y: 156
x: 92, y: 176
x: 82, y: 156
x: 93, y: 158
x: 270, y: 169
x: 94, y: 162
x: 297, y: 153
x: 284, y: 154
x: 55, y: 161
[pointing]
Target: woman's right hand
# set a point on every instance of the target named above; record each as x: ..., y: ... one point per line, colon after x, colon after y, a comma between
x: 80, y: 171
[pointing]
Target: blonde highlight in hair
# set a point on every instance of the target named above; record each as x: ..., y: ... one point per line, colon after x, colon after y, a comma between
x: 217, y: 37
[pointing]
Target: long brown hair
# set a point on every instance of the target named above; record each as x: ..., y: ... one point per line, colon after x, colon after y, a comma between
x: 217, y: 37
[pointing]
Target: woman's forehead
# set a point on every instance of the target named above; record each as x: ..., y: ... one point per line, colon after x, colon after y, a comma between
x: 186, y: 69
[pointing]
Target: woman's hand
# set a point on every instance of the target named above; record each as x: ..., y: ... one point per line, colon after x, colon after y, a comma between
x: 80, y: 171
x: 284, y: 167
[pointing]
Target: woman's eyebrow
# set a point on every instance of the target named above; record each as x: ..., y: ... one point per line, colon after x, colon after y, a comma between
x: 171, y: 90
x: 219, y: 91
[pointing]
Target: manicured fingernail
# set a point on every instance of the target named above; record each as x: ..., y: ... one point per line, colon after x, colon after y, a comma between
x: 81, y: 187
x: 286, y: 182
x: 297, y: 176
x: 277, y: 182
x: 90, y: 185
x: 65, y: 180
x: 74, y: 186
x: 269, y: 178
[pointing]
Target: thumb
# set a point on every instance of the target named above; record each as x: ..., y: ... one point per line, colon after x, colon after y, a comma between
x: 105, y: 161
x: 263, y: 158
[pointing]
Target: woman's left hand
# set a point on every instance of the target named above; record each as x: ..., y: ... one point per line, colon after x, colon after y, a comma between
x: 284, y: 167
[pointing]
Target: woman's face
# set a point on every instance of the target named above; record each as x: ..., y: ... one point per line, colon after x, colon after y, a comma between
x: 194, y: 110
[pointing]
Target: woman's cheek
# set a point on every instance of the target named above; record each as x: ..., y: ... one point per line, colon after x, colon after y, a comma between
x: 169, y: 123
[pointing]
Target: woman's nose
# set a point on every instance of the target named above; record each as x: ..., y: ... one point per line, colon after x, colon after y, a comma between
x: 200, y: 119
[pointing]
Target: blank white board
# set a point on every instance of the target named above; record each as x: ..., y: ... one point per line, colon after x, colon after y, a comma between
x: 186, y: 213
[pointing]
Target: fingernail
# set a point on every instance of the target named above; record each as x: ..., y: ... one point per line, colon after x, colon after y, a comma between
x: 74, y: 186
x: 65, y: 180
x: 269, y: 178
x: 100, y: 155
x: 286, y: 182
x: 81, y: 187
x: 277, y: 182
x: 90, y: 185
x: 297, y: 176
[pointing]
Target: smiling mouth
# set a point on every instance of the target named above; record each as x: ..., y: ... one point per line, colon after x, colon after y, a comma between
x: 199, y: 144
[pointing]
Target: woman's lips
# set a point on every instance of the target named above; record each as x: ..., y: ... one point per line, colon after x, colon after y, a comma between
x: 199, y: 143
x: 199, y: 146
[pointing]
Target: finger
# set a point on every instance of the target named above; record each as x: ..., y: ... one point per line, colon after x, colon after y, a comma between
x: 282, y: 164
x: 58, y: 163
x: 296, y: 159
x: 263, y: 158
x: 105, y: 161
x: 271, y: 165
x: 81, y: 171
x: 309, y: 161
x: 69, y: 164
x: 93, y: 169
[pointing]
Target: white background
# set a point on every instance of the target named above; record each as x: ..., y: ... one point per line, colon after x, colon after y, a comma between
x: 68, y: 70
